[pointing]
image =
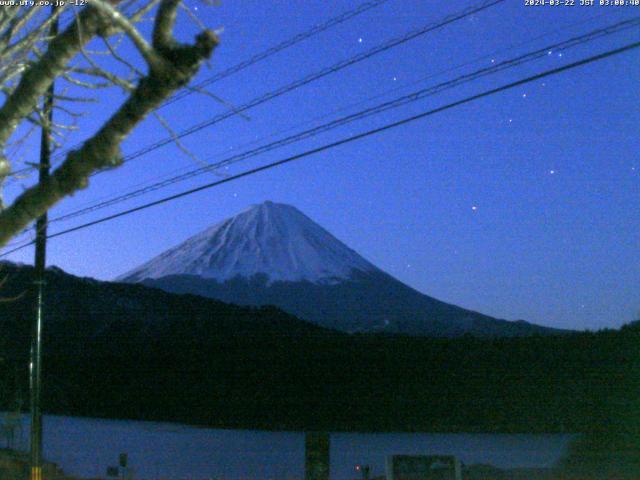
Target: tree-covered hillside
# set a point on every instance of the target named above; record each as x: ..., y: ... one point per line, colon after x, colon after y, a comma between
x: 117, y: 350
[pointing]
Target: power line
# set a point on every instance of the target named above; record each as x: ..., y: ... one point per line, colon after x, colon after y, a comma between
x: 107, y: 200
x: 344, y: 141
x: 212, y: 167
x: 361, y: 9
x: 277, y: 48
x: 394, y: 42
x: 607, y: 30
x: 385, y: 106
x: 315, y: 30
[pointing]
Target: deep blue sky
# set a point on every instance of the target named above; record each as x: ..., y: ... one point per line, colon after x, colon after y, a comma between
x: 524, y: 205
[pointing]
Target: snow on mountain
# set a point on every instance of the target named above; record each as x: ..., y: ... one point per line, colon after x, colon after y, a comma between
x: 273, y: 239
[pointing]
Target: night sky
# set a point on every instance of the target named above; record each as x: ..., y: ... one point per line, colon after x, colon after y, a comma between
x: 523, y: 205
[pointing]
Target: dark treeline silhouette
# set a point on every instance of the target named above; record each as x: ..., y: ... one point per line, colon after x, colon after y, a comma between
x: 127, y: 351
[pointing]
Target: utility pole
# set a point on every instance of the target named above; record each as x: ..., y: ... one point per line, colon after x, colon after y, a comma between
x: 35, y: 366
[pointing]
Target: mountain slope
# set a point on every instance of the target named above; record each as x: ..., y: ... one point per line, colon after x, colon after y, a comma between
x: 272, y: 254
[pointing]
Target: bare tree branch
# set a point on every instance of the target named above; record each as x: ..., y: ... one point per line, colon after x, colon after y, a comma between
x: 39, y: 76
x: 149, y: 54
x: 171, y: 66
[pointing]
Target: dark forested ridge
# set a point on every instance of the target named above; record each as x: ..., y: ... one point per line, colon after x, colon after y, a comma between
x: 128, y: 351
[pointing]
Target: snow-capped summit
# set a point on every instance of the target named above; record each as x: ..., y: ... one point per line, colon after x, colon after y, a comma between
x: 272, y: 239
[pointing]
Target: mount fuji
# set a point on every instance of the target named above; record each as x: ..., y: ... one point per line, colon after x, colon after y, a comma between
x: 273, y: 254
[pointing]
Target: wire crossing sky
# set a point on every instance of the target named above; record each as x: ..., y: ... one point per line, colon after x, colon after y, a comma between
x: 403, y: 100
x: 521, y: 205
x: 341, y: 142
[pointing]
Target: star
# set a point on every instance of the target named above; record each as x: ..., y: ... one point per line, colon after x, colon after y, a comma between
x: 395, y: 78
x: 552, y: 172
x: 524, y: 95
x: 560, y: 54
x: 493, y: 60
x: 474, y: 208
x: 360, y: 40
x: 549, y: 52
x: 511, y: 120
